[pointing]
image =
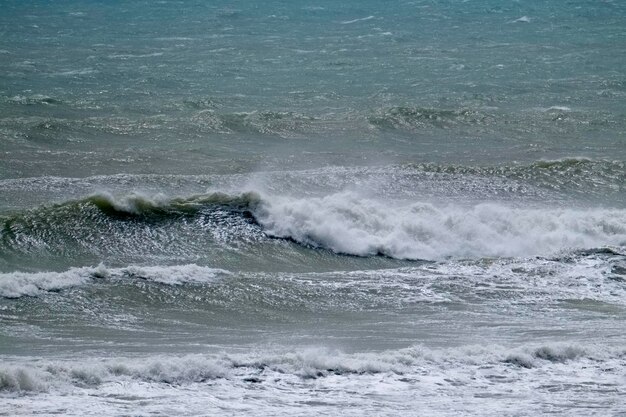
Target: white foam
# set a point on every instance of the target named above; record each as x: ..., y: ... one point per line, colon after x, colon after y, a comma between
x: 175, y: 275
x: 347, y: 22
x: 133, y: 203
x: 348, y: 223
x: 20, y: 284
x: 434, y: 381
x: 63, y: 374
x: 130, y: 56
x: 559, y: 108
x: 19, y: 379
x: 504, y: 282
x: 83, y: 71
x: 175, y: 38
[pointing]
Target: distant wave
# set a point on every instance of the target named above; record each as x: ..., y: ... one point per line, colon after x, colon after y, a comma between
x: 279, y: 123
x: 141, y: 205
x: 35, y: 99
x: 571, y: 166
x: 579, y: 176
x: 211, y: 115
x: 412, y: 118
x: 207, y: 116
x: 576, y: 175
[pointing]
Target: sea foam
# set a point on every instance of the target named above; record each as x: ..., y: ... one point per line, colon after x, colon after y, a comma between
x: 310, y: 363
x: 348, y: 223
x: 20, y: 284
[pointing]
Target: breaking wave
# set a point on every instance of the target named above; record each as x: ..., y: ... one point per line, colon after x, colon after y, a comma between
x: 305, y: 364
x: 140, y: 205
x: 20, y: 284
x: 344, y: 222
x: 127, y: 229
x: 134, y: 205
x: 347, y: 223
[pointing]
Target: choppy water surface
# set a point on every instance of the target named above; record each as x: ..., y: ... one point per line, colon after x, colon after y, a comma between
x: 298, y: 208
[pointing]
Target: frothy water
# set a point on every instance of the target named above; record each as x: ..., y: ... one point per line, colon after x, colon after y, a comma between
x: 18, y: 284
x: 482, y: 381
x: 348, y: 223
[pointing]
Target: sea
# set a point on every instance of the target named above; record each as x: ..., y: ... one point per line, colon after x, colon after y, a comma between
x: 313, y: 208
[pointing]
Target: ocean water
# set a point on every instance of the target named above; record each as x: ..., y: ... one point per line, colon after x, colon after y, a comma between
x: 313, y: 208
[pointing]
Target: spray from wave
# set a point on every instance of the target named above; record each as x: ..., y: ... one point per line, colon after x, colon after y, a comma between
x: 347, y: 223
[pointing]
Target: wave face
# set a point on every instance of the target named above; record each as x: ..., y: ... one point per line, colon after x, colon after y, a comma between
x: 142, y: 206
x: 129, y: 229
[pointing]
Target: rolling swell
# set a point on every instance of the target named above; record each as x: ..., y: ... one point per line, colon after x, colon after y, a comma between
x: 128, y: 229
x: 282, y: 124
x: 584, y: 175
x: 137, y: 205
x: 558, y: 166
x: 413, y: 118
x: 343, y: 222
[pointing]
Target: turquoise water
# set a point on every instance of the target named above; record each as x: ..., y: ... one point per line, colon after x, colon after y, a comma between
x: 296, y: 208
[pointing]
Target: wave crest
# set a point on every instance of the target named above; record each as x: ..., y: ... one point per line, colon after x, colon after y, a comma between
x: 346, y: 223
x: 581, y: 175
x: 282, y: 124
x: 139, y: 204
x: 412, y: 118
